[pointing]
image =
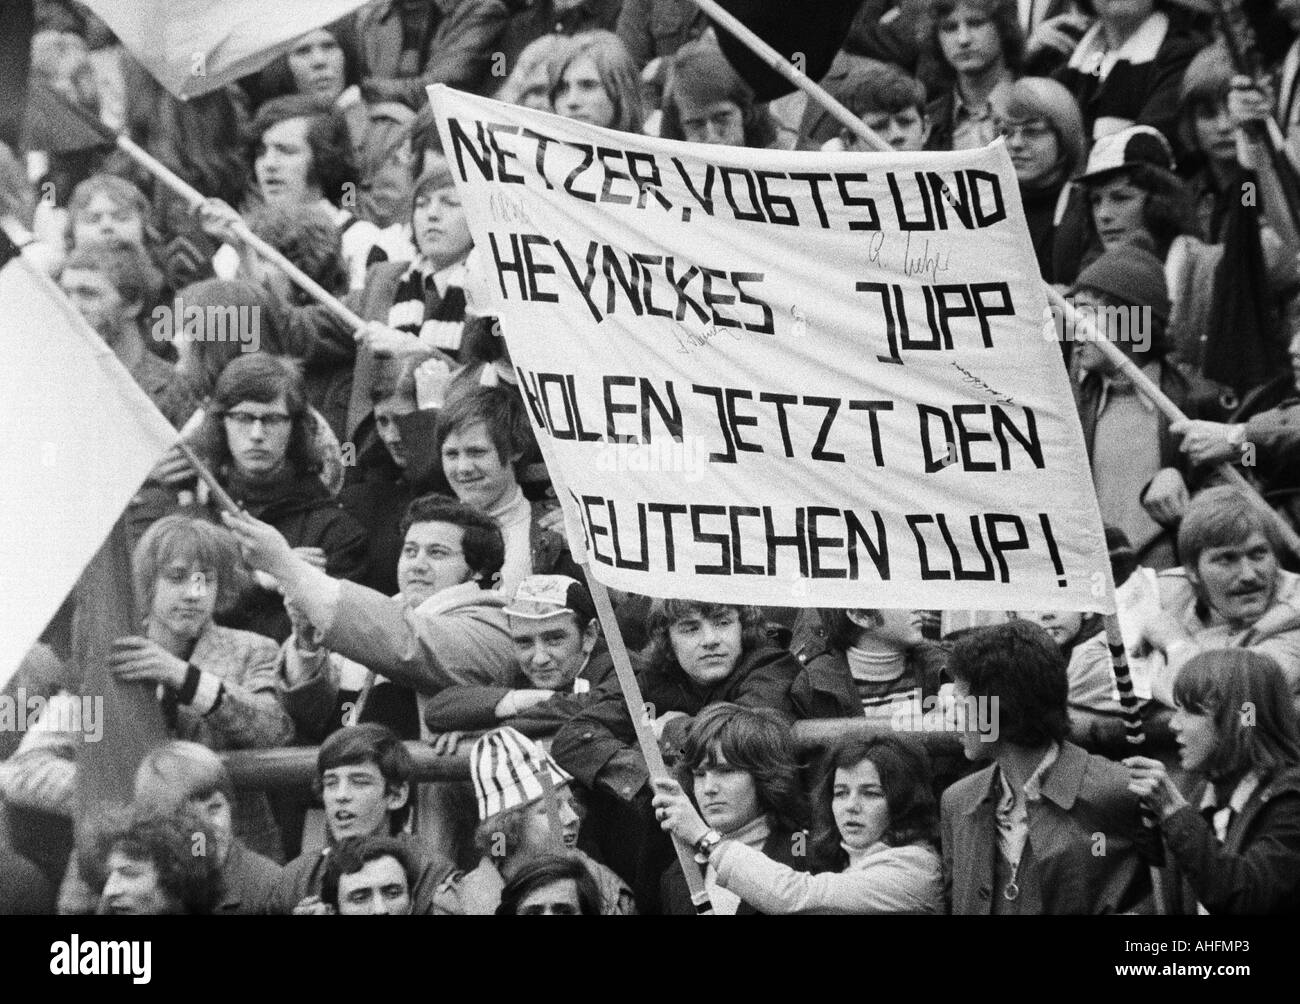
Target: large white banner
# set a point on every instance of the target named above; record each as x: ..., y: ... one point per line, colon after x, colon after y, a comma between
x: 783, y: 378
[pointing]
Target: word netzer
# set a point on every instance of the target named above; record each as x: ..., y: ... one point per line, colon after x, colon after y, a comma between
x: 102, y: 958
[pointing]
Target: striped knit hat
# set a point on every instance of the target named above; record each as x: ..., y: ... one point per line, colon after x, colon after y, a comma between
x: 505, y: 766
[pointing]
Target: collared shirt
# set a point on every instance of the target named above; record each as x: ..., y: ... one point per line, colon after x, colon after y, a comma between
x: 1093, y: 56
x: 975, y: 127
x: 1221, y: 818
x: 1012, y: 813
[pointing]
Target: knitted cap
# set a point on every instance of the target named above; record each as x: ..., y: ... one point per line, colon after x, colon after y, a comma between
x: 506, y: 767
x: 1139, y: 144
x: 1131, y: 274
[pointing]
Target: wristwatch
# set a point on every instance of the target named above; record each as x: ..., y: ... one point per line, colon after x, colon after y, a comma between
x: 704, y: 846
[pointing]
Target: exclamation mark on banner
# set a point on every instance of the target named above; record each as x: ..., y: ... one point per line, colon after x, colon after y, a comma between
x: 1051, y: 548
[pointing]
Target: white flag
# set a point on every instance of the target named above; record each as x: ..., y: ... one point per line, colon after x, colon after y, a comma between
x: 78, y: 439
x: 196, y: 46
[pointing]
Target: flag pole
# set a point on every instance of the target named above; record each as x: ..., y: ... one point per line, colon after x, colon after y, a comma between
x: 871, y: 138
x: 645, y: 736
x: 195, y: 198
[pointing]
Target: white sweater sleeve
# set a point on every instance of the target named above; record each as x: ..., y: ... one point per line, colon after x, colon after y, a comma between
x: 903, y: 880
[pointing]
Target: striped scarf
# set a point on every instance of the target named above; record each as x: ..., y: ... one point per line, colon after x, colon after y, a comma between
x: 431, y: 306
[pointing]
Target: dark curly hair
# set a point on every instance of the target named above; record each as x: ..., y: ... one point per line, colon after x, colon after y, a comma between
x: 1169, y: 208
x: 261, y: 377
x: 333, y: 166
x: 665, y: 613
x: 757, y: 741
x: 904, y: 768
x: 354, y: 853
x: 1019, y: 664
x: 484, y: 547
x: 180, y: 846
x: 544, y: 870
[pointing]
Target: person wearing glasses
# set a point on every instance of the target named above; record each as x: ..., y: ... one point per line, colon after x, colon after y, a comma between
x: 259, y: 438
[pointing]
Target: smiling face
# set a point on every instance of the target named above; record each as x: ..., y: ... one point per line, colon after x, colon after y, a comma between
x: 258, y: 437
x: 1238, y: 580
x: 727, y: 795
x: 132, y: 889
x: 432, y: 559
x: 969, y: 40
x: 380, y: 888
x: 858, y: 805
x: 440, y: 228
x: 707, y: 647
x: 283, y: 163
x: 1117, y: 211
x: 316, y: 63
x: 477, y: 473
x: 551, y: 651
x: 184, y: 598
x: 357, y: 803
x: 536, y: 835
x: 105, y: 219
x: 581, y: 94
x: 1197, y: 738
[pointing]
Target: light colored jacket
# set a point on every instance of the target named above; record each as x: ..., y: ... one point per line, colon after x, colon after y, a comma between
x: 907, y: 879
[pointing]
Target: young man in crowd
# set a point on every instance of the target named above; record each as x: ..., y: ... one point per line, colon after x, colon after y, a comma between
x: 149, y: 868
x: 481, y: 435
x: 111, y: 286
x: 1230, y: 592
x: 1045, y: 827
x: 369, y: 876
x: 559, y: 656
x: 364, y: 775
x: 442, y: 629
x: 699, y: 654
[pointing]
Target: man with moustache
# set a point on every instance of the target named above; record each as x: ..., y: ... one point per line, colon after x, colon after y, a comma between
x: 1230, y: 592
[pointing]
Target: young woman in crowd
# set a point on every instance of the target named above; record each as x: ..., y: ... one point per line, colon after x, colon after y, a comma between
x: 878, y: 839
x: 594, y: 80
x: 529, y: 82
x: 980, y: 45
x: 739, y: 784
x: 1234, y: 843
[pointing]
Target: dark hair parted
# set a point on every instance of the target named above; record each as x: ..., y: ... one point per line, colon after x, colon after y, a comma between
x: 260, y: 377
x: 904, y: 769
x: 332, y: 166
x: 756, y: 741
x: 1248, y: 697
x: 484, y: 547
x: 354, y: 853
x: 1019, y: 664
x: 375, y: 744
x: 547, y: 869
